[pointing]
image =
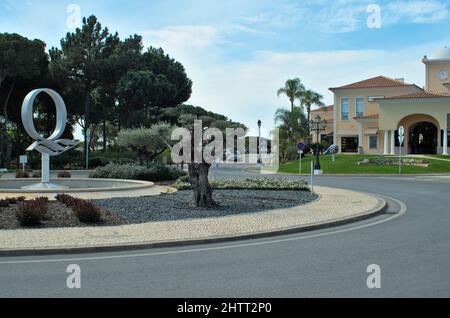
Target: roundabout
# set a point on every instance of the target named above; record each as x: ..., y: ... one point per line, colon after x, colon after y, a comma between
x: 332, y: 207
x: 407, y: 240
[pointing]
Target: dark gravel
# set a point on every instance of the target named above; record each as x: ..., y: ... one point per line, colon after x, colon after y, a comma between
x: 177, y: 205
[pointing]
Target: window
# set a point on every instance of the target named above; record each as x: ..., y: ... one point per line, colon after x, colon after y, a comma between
x: 345, y: 109
x: 373, y: 142
x: 349, y: 144
x: 360, y: 107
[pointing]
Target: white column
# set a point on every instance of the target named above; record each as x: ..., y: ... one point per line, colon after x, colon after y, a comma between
x: 360, y: 138
x: 444, y: 148
x: 386, y: 142
x: 45, y: 169
x: 393, y: 142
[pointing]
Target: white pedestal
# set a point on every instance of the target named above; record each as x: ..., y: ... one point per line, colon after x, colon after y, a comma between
x: 45, y: 181
x: 318, y: 172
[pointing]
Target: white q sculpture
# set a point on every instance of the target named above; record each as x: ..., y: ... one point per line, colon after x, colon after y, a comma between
x: 52, y: 146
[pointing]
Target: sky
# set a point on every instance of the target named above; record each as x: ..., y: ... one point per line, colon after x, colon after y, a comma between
x: 238, y: 53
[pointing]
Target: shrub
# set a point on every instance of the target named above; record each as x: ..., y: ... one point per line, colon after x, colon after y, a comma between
x: 31, y: 213
x: 86, y: 211
x: 37, y: 175
x: 64, y: 174
x: 11, y: 200
x: 65, y: 199
x: 153, y: 172
x: 251, y: 184
x: 4, y: 203
x: 22, y: 175
x: 20, y: 199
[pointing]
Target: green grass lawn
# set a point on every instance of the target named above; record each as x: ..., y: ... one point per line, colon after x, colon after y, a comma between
x: 348, y: 164
x: 442, y: 156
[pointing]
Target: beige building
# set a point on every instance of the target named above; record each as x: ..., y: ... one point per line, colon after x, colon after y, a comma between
x: 367, y: 114
x: 327, y: 114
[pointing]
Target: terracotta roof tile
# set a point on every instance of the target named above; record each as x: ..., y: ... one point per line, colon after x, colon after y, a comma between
x: 325, y: 108
x: 379, y: 81
x: 417, y: 95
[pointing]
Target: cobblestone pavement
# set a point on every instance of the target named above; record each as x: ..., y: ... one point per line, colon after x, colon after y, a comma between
x: 333, y: 205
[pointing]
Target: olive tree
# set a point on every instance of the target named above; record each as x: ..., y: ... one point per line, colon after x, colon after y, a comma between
x: 148, y: 143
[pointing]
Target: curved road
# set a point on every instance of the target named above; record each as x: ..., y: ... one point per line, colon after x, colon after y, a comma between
x: 412, y: 250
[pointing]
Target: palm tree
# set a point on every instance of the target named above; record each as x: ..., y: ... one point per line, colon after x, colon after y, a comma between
x: 309, y: 98
x: 291, y: 122
x: 293, y: 89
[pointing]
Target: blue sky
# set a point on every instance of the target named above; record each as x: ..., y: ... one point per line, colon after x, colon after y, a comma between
x: 239, y: 52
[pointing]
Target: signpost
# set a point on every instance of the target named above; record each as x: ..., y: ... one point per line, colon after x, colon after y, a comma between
x: 23, y: 161
x: 301, y: 147
x: 401, y: 138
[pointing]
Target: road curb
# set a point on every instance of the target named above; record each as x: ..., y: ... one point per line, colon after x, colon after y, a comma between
x: 380, y: 208
x: 255, y: 170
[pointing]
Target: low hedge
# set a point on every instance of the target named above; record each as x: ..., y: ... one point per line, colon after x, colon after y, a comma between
x: 249, y: 184
x: 153, y: 172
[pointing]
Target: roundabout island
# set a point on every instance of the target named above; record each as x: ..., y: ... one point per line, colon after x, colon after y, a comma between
x: 329, y: 207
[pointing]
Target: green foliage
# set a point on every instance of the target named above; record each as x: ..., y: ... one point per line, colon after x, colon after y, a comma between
x: 147, y: 142
x: 250, y: 184
x: 31, y: 213
x: 309, y: 98
x: 293, y: 89
x: 23, y: 62
x: 348, y: 164
x: 154, y: 172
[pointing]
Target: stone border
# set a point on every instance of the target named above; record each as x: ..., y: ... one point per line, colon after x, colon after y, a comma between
x: 349, y: 206
x: 135, y: 188
x: 132, y: 185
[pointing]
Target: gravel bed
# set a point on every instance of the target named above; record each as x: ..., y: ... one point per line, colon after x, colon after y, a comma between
x: 58, y: 215
x: 176, y: 206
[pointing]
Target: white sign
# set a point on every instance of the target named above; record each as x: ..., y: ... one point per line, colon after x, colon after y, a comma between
x: 401, y: 135
x: 23, y: 160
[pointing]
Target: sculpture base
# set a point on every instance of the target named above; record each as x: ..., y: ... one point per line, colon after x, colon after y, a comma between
x: 45, y: 186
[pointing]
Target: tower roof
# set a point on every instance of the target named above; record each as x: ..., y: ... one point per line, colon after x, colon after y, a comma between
x: 442, y: 54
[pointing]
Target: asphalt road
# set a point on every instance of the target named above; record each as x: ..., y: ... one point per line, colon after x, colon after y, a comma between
x: 412, y: 248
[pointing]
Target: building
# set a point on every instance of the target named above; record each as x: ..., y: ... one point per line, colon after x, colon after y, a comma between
x: 327, y: 114
x: 367, y: 114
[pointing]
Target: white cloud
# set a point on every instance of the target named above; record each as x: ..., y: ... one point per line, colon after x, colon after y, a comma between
x: 185, y: 36
x: 344, y: 16
x: 246, y: 91
x: 418, y: 11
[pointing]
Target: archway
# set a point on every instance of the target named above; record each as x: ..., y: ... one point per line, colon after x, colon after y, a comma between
x: 423, y: 138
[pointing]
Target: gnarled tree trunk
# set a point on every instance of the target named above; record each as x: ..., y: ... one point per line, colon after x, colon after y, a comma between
x: 198, y: 174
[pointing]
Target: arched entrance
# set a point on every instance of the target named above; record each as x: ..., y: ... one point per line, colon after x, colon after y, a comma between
x: 423, y: 138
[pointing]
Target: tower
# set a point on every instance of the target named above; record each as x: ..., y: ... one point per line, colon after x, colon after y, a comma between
x: 437, y: 71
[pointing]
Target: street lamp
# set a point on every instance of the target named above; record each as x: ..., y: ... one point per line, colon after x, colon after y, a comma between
x: 318, y: 125
x: 259, y: 141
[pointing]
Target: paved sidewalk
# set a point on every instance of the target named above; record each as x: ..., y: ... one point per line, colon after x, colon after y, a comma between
x: 334, y: 205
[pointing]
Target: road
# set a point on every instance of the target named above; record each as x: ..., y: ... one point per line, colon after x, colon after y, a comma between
x: 411, y: 246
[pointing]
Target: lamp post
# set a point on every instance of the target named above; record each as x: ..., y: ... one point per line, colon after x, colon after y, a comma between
x: 259, y: 141
x: 318, y: 125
